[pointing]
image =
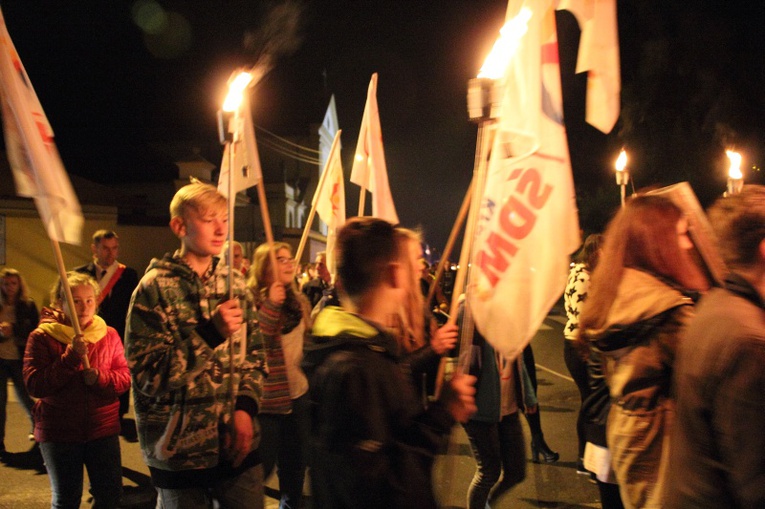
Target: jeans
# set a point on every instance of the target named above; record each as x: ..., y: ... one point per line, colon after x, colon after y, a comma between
x: 12, y: 369
x: 284, y: 442
x: 64, y: 462
x: 498, y: 448
x: 244, y: 491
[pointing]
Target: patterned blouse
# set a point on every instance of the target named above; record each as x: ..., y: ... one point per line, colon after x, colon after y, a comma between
x: 574, y: 297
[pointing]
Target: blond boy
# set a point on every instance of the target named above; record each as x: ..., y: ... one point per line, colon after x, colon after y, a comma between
x: 194, y: 411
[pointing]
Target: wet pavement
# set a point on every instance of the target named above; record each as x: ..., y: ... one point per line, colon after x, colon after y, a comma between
x: 24, y: 483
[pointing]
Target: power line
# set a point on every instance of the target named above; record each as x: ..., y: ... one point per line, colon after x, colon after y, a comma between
x: 287, y: 153
x: 286, y: 141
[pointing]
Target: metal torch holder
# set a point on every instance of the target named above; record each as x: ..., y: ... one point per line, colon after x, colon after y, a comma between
x: 483, y: 102
x: 735, y: 186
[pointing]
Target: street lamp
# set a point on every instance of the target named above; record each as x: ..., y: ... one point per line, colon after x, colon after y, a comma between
x: 622, y: 175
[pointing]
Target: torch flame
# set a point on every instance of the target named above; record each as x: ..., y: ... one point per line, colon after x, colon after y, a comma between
x: 507, y: 44
x: 236, y: 91
x: 621, y: 161
x: 734, y: 171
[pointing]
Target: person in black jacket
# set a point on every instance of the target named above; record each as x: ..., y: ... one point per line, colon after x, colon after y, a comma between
x: 373, y: 444
x: 117, y: 283
x: 717, y: 450
x: 18, y: 317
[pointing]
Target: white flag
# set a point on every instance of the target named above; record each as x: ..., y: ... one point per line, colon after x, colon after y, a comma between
x: 329, y: 201
x: 599, y: 57
x: 246, y: 161
x: 369, y: 170
x: 528, y: 221
x: 36, y: 164
x: 327, y: 132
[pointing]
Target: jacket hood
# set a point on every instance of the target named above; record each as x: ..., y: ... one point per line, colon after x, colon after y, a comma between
x: 172, y: 262
x: 641, y: 303
x: 336, y: 329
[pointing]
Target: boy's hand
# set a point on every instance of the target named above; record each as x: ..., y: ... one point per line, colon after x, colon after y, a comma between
x: 227, y: 317
x: 90, y: 376
x: 238, y: 446
x: 459, y: 396
x: 444, y: 339
x: 277, y: 293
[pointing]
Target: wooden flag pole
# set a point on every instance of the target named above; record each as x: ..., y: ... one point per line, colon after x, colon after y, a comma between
x: 485, y: 136
x: 267, y: 224
x: 231, y: 207
x: 449, y: 244
x: 68, y: 295
x: 362, y: 200
x: 312, y: 213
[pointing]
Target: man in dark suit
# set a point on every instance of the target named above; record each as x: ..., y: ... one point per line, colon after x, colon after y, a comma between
x: 315, y: 288
x: 117, y: 284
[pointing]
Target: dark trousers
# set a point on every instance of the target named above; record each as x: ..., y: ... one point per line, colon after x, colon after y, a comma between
x: 609, y: 496
x: 578, y: 369
x: 64, y: 463
x: 534, y: 420
x: 284, y: 442
x: 498, y: 448
x: 12, y: 369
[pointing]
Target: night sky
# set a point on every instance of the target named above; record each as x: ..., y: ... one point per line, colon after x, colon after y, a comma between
x: 693, y: 83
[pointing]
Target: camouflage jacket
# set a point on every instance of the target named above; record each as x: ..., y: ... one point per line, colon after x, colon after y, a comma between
x: 183, y: 387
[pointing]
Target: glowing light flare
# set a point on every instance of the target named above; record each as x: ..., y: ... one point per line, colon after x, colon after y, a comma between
x: 621, y: 161
x: 507, y: 44
x: 734, y: 172
x: 236, y: 91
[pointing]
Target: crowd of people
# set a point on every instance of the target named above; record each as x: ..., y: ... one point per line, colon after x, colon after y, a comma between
x: 238, y: 370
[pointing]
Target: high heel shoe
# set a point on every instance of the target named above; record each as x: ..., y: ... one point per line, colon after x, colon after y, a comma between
x: 540, y: 447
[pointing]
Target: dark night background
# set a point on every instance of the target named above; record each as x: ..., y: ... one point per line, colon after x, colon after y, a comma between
x: 693, y: 84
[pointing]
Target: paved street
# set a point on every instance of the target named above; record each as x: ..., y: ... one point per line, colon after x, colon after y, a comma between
x: 24, y: 484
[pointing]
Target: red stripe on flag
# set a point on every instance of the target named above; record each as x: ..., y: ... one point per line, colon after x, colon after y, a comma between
x: 550, y: 53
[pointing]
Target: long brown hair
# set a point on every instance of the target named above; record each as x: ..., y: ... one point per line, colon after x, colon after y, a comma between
x: 642, y: 235
x: 413, y: 312
x: 23, y: 295
x: 261, y: 277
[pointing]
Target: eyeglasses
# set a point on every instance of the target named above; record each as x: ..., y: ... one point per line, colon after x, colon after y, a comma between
x: 284, y: 260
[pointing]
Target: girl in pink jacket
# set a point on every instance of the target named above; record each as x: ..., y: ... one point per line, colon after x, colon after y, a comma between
x: 77, y: 412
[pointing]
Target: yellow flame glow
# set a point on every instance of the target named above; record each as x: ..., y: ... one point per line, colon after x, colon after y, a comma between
x: 621, y: 161
x: 734, y: 171
x: 236, y: 90
x: 507, y: 44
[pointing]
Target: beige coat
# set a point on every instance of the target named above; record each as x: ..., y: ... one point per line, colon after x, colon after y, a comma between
x: 638, y: 343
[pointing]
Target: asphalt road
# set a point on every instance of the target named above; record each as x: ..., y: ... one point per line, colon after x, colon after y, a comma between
x: 24, y: 483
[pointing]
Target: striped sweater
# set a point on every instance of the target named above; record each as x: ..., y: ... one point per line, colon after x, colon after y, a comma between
x: 284, y: 353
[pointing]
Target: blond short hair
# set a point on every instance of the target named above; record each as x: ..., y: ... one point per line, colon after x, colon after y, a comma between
x: 73, y: 279
x: 198, y: 196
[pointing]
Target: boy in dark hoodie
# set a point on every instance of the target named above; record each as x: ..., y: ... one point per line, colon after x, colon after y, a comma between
x: 373, y: 445
x: 195, y: 411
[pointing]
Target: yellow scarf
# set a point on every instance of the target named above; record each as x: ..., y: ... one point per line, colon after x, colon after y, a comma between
x: 93, y: 333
